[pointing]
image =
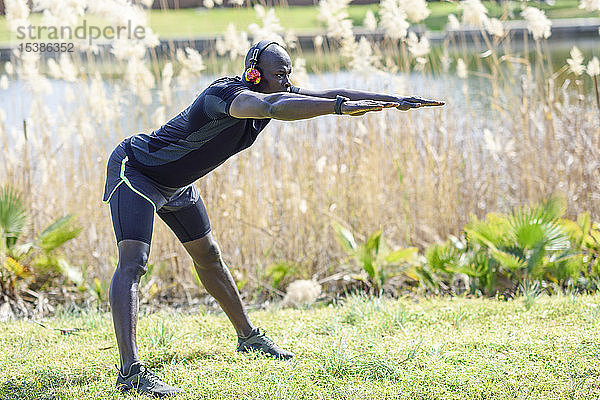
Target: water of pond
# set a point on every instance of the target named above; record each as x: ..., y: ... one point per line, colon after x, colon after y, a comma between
x: 17, y: 105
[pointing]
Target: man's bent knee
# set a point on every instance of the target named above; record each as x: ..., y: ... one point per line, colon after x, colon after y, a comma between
x: 209, y: 255
x: 204, y: 251
x: 133, y: 256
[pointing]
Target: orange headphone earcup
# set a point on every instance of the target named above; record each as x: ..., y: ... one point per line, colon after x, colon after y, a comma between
x: 252, y: 75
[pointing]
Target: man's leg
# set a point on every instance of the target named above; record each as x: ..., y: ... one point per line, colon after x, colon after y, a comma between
x: 192, y: 227
x: 187, y: 217
x: 133, y: 219
x: 124, y: 301
x: 217, y: 280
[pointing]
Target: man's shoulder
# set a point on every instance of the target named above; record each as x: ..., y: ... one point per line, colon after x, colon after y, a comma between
x: 218, y: 96
x: 228, y: 82
x: 225, y: 90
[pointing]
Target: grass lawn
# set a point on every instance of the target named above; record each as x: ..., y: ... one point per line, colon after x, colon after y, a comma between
x: 186, y: 23
x: 544, y: 348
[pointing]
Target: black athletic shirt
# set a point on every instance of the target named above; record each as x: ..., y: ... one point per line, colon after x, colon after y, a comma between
x: 197, y: 140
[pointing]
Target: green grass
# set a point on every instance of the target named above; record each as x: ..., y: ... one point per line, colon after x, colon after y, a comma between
x: 186, y: 23
x: 379, y: 349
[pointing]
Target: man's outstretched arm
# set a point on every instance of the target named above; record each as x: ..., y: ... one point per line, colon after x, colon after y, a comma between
x: 290, y: 106
x: 405, y: 103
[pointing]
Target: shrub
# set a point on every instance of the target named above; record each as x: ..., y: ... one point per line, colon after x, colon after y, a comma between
x: 36, y: 264
x: 531, y: 244
x: 379, y: 262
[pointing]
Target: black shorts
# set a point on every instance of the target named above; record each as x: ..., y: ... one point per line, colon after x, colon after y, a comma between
x: 134, y: 198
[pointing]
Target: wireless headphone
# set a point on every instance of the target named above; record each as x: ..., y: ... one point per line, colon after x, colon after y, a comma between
x: 252, y: 74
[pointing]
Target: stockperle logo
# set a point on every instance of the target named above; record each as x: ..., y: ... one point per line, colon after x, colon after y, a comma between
x: 84, y: 31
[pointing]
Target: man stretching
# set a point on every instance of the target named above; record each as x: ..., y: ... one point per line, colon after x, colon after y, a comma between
x: 148, y: 174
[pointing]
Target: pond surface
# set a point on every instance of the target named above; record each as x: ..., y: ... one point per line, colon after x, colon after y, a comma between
x: 16, y: 101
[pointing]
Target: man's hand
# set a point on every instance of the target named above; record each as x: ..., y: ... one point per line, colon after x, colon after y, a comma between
x: 406, y: 103
x: 360, y: 107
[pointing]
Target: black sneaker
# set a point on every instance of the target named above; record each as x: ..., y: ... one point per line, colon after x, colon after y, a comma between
x: 141, y: 380
x: 258, y: 341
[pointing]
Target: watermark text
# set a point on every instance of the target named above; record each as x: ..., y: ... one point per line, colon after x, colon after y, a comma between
x: 84, y: 31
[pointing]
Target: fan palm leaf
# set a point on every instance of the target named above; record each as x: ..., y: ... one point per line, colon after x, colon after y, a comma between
x: 442, y: 257
x: 490, y: 232
x: 12, y: 216
x: 58, y: 233
x: 531, y: 229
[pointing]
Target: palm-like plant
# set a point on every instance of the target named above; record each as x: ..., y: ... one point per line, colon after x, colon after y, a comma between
x: 379, y: 262
x: 585, y: 238
x: 12, y: 217
x: 453, y: 257
x: 37, y: 262
x: 47, y: 261
x: 12, y: 221
x: 525, y: 245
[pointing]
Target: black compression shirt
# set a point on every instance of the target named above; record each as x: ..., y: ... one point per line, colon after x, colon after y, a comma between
x: 197, y: 140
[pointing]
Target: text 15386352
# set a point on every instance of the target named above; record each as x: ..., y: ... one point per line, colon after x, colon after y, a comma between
x: 43, y: 47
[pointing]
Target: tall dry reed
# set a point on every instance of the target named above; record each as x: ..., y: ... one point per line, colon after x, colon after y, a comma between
x: 525, y: 131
